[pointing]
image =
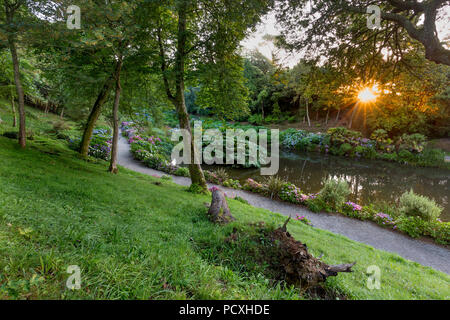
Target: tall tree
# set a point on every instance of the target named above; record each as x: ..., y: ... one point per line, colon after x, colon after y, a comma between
x: 188, y: 33
x: 11, y: 13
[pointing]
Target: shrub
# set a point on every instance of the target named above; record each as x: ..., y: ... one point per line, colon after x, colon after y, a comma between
x: 253, y: 186
x: 381, y: 138
x: 291, y: 193
x: 303, y: 219
x: 317, y: 204
x: 195, y: 188
x: 256, y: 119
x: 60, y: 125
x: 182, y: 172
x: 387, y: 156
x: 414, y: 205
x: 385, y: 220
x: 406, y: 156
x: 274, y: 185
x: 414, y: 142
x: 100, y: 146
x: 379, y: 135
x: 413, y: 226
x: 167, y: 178
x: 230, y: 183
x: 342, y: 135
x: 431, y: 157
x: 335, y: 192
x: 221, y: 174
x: 345, y: 148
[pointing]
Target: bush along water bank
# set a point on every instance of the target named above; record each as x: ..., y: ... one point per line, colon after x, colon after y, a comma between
x: 415, y: 215
x: 410, y: 149
x: 407, y: 149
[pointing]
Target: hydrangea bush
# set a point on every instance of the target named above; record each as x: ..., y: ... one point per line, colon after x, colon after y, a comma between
x: 100, y: 146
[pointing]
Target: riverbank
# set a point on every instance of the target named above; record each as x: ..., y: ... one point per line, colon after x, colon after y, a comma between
x: 416, y: 250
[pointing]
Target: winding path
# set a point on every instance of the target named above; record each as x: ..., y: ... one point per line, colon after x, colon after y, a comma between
x: 427, y: 254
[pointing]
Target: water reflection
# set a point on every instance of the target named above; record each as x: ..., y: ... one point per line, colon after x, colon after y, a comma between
x: 370, y: 180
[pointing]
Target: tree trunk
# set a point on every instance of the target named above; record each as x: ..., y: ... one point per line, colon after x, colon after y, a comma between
x: 196, y: 172
x: 19, y: 88
x: 61, y: 116
x: 352, y: 116
x: 338, y: 114
x: 301, y: 267
x: 262, y: 109
x: 113, y: 164
x: 13, y: 109
x: 307, y: 114
x: 219, y: 212
x: 93, y: 116
x: 328, y: 115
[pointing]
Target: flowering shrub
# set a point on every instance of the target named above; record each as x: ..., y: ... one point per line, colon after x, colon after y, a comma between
x: 291, y: 193
x: 100, y: 146
x: 253, y: 186
x: 353, y: 206
x: 303, y: 140
x: 385, y: 220
x: 303, y: 219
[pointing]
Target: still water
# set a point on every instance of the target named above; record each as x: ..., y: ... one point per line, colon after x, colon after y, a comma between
x: 370, y: 180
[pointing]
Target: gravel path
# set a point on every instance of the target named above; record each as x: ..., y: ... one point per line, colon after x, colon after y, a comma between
x: 427, y: 254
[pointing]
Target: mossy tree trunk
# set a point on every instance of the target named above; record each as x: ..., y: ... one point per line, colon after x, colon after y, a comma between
x: 195, y: 169
x: 13, y: 109
x: 93, y: 116
x: 113, y: 164
x: 10, y: 9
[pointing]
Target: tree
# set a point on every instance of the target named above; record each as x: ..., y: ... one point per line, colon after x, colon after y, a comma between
x: 189, y: 32
x: 12, y: 9
x: 331, y: 27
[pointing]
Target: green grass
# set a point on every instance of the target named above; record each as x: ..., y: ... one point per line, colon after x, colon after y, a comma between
x: 136, y: 240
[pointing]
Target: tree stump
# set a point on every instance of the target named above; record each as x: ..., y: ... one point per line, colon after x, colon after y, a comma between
x: 219, y: 212
x: 301, y: 268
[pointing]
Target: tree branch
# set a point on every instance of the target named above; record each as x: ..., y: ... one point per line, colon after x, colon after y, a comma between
x: 434, y: 50
x: 164, y: 66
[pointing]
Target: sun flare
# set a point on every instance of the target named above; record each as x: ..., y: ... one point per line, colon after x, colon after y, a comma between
x: 368, y: 95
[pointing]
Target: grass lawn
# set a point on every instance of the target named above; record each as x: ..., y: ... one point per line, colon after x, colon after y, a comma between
x: 135, y: 240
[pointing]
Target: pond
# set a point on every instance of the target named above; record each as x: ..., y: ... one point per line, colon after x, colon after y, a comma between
x: 370, y: 180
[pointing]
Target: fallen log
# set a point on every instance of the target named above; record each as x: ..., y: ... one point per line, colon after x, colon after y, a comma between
x: 219, y: 212
x: 300, y: 267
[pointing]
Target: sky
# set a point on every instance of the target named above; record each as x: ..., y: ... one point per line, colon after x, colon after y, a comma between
x: 269, y: 26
